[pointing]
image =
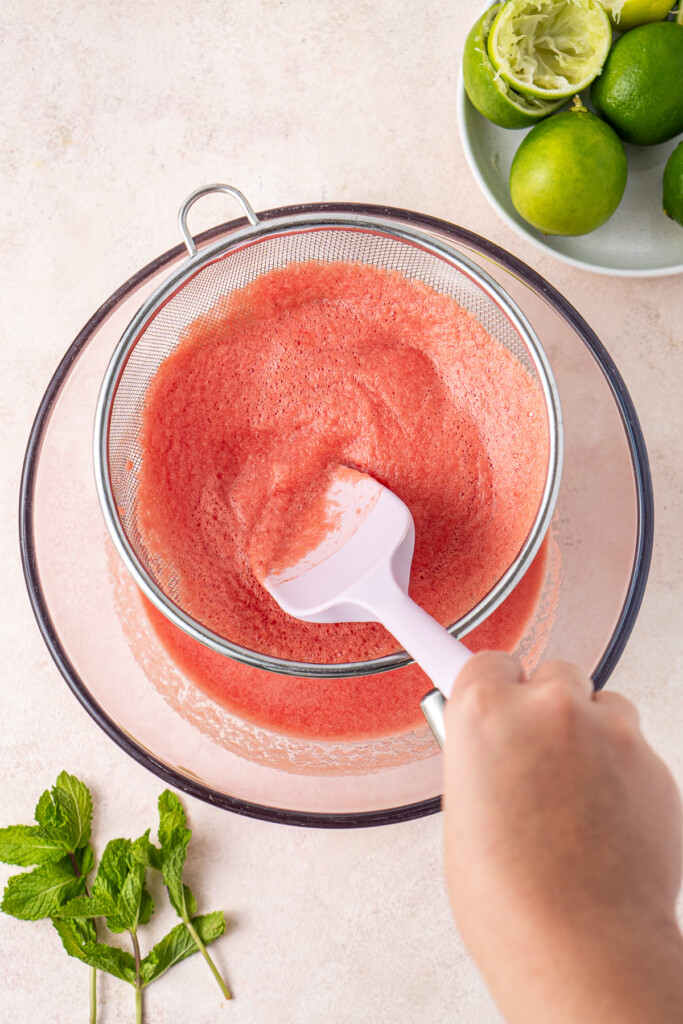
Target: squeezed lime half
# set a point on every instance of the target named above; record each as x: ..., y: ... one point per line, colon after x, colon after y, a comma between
x: 489, y: 92
x: 550, y: 49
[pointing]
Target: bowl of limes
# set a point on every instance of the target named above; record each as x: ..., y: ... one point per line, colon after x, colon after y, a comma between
x: 571, y: 119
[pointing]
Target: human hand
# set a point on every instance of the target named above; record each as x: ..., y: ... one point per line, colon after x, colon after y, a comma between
x: 563, y: 836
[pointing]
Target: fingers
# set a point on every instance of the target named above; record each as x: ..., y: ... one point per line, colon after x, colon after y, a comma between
x: 571, y: 677
x: 493, y: 685
x: 497, y: 668
x: 562, y: 673
x: 490, y: 667
x: 618, y: 704
x: 484, y: 685
x: 565, y: 674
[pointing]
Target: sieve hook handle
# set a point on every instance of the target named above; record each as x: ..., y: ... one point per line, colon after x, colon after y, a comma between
x: 203, y: 191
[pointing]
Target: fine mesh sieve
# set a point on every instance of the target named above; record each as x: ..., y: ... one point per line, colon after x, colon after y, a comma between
x: 224, y: 268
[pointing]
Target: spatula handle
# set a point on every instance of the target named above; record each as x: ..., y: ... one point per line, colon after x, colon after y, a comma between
x: 433, y: 647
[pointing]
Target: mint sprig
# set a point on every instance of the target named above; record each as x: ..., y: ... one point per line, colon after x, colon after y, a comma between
x: 59, y: 844
x: 174, y: 837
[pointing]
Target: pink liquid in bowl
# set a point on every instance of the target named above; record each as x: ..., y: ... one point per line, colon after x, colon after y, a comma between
x: 310, y: 367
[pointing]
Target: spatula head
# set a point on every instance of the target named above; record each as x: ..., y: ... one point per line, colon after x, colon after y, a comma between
x: 365, y: 528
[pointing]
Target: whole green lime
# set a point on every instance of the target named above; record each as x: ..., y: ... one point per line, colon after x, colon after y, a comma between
x: 672, y: 185
x: 569, y: 173
x: 490, y: 93
x: 640, y: 90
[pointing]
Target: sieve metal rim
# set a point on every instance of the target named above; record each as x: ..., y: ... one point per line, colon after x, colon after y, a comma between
x: 312, y: 218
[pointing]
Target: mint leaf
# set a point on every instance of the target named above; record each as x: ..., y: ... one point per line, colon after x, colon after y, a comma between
x: 48, y: 813
x: 64, y: 814
x: 72, y: 935
x: 139, y: 856
x: 28, y: 844
x: 171, y: 815
x: 174, y: 838
x: 84, y: 928
x: 52, y: 822
x: 209, y: 926
x: 113, y: 868
x: 85, y: 859
x: 179, y: 944
x: 190, y: 901
x: 41, y: 892
x: 135, y: 905
x: 145, y: 851
x: 173, y: 853
x: 43, y: 808
x: 97, y: 954
x: 110, y: 959
x: 120, y: 884
x: 86, y: 907
x: 154, y: 857
x: 78, y: 928
x: 73, y: 799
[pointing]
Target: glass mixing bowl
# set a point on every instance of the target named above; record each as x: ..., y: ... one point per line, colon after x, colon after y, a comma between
x: 89, y: 610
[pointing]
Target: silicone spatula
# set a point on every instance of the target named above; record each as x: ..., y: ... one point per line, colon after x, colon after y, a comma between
x: 359, y: 571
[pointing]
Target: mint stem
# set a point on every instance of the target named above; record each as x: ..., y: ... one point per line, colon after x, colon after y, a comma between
x: 93, y: 996
x: 203, y: 950
x: 138, y: 980
x: 93, y: 970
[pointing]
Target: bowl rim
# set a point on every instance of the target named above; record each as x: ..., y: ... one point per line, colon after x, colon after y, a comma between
x: 460, y: 236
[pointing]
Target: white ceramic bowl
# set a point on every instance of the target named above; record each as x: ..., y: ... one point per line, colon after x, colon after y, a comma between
x: 639, y: 240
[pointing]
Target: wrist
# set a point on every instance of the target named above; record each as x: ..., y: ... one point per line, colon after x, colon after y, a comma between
x: 613, y: 968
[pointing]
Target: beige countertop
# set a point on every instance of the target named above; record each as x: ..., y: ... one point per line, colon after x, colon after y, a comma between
x: 114, y: 111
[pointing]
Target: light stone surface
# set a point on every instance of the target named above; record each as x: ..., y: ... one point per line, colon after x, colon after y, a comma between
x: 113, y: 111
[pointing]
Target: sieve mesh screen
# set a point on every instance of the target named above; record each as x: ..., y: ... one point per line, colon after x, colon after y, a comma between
x: 228, y: 273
